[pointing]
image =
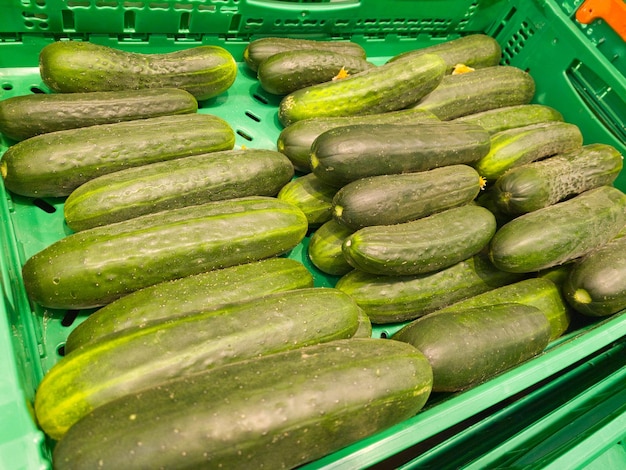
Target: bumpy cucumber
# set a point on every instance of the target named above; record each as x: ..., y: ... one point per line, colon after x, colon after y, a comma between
x: 539, y: 184
x: 395, y: 199
x: 559, y: 233
x: 480, y: 90
x: 96, y: 266
x: 55, y: 164
x: 139, y: 358
x: 466, y: 347
x: 76, y: 66
x: 509, y: 117
x: 389, y: 299
x: 168, y: 185
x: 190, y: 295
x: 349, y: 153
x: 259, y: 50
x: 296, y: 140
x: 288, y: 71
x: 325, y: 248
x: 301, y: 405
x: 22, y: 117
x: 380, y: 89
x: 422, y: 246
x: 312, y: 196
x: 520, y: 145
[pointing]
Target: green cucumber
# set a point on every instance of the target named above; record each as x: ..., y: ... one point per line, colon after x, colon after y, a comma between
x: 96, y: 266
x: 509, y: 117
x: 469, y: 346
x: 131, y: 360
x: 312, y: 196
x: 480, y: 90
x: 520, y: 145
x: 325, y: 248
x: 296, y: 140
x: 380, y: 89
x: 288, y: 71
x: 276, y: 411
x: 349, y: 153
x: 422, y: 246
x: 172, y: 184
x: 22, y: 117
x: 596, y: 284
x: 189, y: 295
x: 77, y: 66
x: 390, y: 299
x: 473, y: 50
x: 365, y: 326
x: 394, y: 199
x: 559, y: 233
x: 539, y: 184
x: 538, y: 292
x: 55, y: 164
x: 259, y: 50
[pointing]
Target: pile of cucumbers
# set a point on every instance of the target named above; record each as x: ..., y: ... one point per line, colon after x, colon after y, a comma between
x: 429, y: 190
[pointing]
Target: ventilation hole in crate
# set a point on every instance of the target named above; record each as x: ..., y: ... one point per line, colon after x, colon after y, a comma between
x: 78, y: 3
x: 245, y: 135
x: 383, y: 335
x: 44, y: 206
x: 183, y: 25
x: 129, y: 20
x: 260, y: 98
x: 254, y: 22
x: 517, y: 42
x: 253, y: 116
x: 37, y: 90
x: 235, y: 21
x: 158, y: 5
x: 69, y: 317
x: 182, y: 6
x: 7, y: 86
x: 106, y: 4
x: 61, y: 350
x: 207, y: 8
x: 67, y: 20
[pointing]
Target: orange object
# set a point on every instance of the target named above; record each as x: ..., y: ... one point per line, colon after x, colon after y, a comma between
x: 611, y: 11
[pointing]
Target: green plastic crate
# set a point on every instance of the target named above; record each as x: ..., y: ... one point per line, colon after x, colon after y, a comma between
x: 578, y: 69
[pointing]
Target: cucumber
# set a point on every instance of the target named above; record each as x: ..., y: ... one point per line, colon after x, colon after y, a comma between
x: 349, y: 153
x: 77, y: 66
x: 390, y: 299
x: 288, y: 71
x: 364, y: 329
x: 96, y: 266
x: 509, y: 117
x: 296, y: 140
x: 276, y: 411
x: 55, y: 164
x: 422, y: 246
x: 538, y: 292
x: 258, y: 50
x: 131, y: 360
x: 539, y: 184
x: 394, y: 199
x: 469, y: 346
x: 172, y: 184
x: 480, y: 90
x: 596, y: 284
x: 189, y: 295
x: 22, y: 117
x: 559, y: 233
x: 380, y: 89
x: 473, y: 50
x: 515, y: 147
x: 312, y: 196
x: 325, y: 248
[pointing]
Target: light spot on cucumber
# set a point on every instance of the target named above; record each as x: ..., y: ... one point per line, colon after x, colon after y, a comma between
x: 338, y: 210
x: 582, y: 296
x: 314, y: 161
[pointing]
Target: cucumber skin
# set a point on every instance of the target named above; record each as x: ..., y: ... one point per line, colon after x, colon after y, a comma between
x: 400, y: 198
x: 296, y: 140
x: 515, y: 147
x: 596, y: 284
x: 509, y: 117
x: 76, y: 66
x: 384, y: 88
x: 539, y: 184
x: 96, y: 266
x: 130, y: 361
x: 325, y: 383
x: 261, y: 49
x: 480, y: 90
x: 325, y: 248
x: 312, y: 196
x: 559, y: 233
x: 390, y: 299
x: 345, y: 154
x: 189, y: 295
x: 469, y: 346
x: 286, y: 72
x: 22, y: 117
x: 55, y: 164
x: 422, y: 246
x: 172, y: 184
